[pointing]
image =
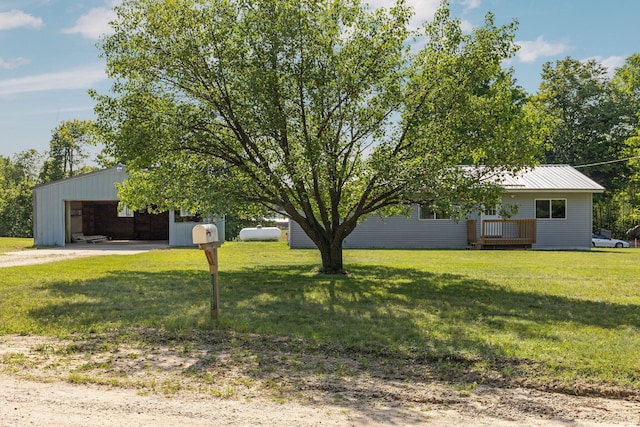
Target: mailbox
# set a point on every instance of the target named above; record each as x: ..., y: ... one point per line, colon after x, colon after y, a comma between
x: 204, y: 233
x: 206, y: 236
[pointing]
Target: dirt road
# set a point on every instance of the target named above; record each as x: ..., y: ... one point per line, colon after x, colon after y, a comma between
x: 28, y: 403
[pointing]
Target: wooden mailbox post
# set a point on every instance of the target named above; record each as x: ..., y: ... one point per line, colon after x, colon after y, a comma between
x: 206, y: 237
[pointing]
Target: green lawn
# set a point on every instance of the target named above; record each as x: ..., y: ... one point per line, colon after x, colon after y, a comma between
x: 14, y: 244
x: 551, y: 319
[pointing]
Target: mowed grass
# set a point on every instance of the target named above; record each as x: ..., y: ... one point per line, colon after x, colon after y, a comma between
x: 14, y: 244
x: 559, y: 318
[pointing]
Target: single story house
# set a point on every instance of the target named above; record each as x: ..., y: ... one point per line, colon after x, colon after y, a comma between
x: 555, y: 211
x: 87, y: 205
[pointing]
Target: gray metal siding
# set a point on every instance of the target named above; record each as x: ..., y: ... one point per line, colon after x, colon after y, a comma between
x: 49, y: 216
x: 402, y: 232
x: 574, y: 232
x: 93, y: 186
x: 180, y: 232
x: 297, y: 237
x: 49, y: 206
x: 49, y: 201
x: 394, y: 232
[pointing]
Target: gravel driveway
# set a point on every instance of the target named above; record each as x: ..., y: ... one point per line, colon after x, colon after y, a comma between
x: 78, y: 250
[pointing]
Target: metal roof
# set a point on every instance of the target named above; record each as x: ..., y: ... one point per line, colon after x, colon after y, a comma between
x: 81, y: 176
x: 551, y: 178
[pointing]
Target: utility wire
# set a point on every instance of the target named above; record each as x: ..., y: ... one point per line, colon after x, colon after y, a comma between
x: 606, y: 163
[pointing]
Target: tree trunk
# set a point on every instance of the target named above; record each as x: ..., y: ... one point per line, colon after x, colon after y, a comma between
x: 328, y: 243
x: 331, y: 254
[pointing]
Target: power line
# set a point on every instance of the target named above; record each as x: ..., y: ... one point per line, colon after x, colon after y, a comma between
x: 606, y: 163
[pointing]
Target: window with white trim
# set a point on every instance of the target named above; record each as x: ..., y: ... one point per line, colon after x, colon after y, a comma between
x: 551, y: 208
x: 492, y: 211
x: 432, y: 212
x: 184, y: 215
x: 124, y: 212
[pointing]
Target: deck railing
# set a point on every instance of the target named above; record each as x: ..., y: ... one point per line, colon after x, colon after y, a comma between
x: 506, y: 232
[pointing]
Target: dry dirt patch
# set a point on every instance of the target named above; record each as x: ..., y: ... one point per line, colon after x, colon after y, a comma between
x: 227, y: 381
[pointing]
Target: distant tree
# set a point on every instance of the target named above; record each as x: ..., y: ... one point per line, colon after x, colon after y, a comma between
x: 591, y: 125
x: 319, y: 109
x: 68, y: 149
x: 17, y: 176
x: 626, y: 81
x: 597, y: 125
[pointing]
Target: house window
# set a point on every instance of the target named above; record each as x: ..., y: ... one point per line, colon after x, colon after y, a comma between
x: 125, y: 212
x: 551, y: 209
x: 432, y: 212
x: 493, y: 211
x: 183, y: 215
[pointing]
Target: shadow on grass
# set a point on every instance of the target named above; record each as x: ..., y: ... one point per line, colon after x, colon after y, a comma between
x: 404, y: 317
x: 383, y: 308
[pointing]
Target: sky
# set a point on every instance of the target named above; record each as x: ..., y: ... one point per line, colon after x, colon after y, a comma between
x: 49, y: 57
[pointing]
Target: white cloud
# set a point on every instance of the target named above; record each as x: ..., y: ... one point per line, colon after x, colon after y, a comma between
x: 471, y: 4
x: 78, y: 78
x: 93, y: 24
x: 530, y: 51
x: 8, y: 64
x: 423, y: 9
x: 466, y: 26
x: 17, y: 19
x: 610, y: 63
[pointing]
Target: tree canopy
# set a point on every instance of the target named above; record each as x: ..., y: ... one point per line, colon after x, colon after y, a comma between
x: 596, y: 119
x: 592, y: 119
x: 326, y: 111
x: 626, y: 81
x: 68, y: 150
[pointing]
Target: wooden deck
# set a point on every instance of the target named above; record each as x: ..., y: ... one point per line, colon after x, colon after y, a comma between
x: 502, y: 233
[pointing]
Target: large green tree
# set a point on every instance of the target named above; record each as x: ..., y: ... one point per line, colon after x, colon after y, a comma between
x: 322, y: 109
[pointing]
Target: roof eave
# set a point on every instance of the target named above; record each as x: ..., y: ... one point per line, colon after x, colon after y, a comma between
x: 554, y: 190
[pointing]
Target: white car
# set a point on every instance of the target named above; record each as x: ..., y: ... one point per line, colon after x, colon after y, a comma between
x: 600, y: 241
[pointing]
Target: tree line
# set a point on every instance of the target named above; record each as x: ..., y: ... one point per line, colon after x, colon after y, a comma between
x: 68, y: 151
x: 595, y: 128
